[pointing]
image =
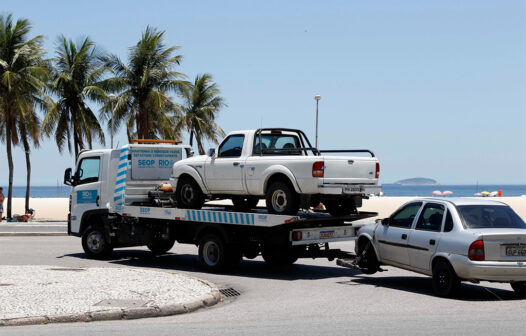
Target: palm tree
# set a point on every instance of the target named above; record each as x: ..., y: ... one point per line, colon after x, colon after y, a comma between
x: 143, y: 86
x: 201, y: 106
x: 22, y: 80
x: 76, y: 78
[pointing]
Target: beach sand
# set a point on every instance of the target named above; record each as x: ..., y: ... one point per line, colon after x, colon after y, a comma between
x: 57, y: 208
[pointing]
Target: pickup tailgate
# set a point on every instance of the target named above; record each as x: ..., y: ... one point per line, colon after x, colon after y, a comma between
x: 349, y: 170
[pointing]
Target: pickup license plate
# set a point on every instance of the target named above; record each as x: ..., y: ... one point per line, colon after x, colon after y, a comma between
x: 514, y: 251
x: 326, y: 234
x: 352, y: 189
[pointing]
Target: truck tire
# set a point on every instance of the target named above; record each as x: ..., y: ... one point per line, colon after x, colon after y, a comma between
x: 340, y: 207
x: 188, y: 194
x: 244, y: 203
x: 519, y: 288
x: 95, y: 244
x: 161, y: 246
x: 216, y: 256
x: 276, y: 255
x: 369, y: 262
x: 281, y: 199
x: 445, y: 280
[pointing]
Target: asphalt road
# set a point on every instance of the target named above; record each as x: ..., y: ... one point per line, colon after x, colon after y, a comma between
x: 310, y: 298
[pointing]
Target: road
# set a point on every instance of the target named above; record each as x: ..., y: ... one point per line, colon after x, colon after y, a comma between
x: 310, y: 298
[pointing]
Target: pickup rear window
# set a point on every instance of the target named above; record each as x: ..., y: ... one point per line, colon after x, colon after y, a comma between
x: 277, y: 144
x: 490, y: 216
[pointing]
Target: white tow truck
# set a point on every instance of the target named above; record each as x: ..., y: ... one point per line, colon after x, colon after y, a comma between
x: 122, y: 198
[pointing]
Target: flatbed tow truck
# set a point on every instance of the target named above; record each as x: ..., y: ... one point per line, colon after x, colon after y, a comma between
x: 121, y: 198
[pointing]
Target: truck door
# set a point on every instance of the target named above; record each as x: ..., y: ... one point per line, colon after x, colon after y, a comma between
x: 86, y: 193
x: 424, y: 239
x: 224, y: 171
x: 392, y: 238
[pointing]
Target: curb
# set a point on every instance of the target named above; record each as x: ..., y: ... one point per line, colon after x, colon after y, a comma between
x: 122, y: 314
x: 32, y: 234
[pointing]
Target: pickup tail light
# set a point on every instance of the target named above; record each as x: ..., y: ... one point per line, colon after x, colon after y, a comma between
x: 377, y: 169
x: 318, y: 169
x: 476, y: 251
x: 297, y: 235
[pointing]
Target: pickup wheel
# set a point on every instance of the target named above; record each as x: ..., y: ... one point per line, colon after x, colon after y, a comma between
x: 216, y: 256
x: 95, y: 244
x: 340, y: 207
x: 161, y: 246
x: 244, y: 203
x: 519, y: 288
x: 188, y: 194
x: 281, y: 199
x: 445, y: 280
x: 368, y: 262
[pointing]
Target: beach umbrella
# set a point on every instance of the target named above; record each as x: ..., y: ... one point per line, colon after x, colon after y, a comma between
x: 485, y: 193
x: 436, y: 193
x: 494, y: 193
x: 478, y: 194
x: 447, y: 192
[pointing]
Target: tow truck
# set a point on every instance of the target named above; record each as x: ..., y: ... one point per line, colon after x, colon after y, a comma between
x: 123, y: 198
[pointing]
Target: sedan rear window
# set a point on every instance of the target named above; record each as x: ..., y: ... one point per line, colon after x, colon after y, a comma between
x: 490, y: 216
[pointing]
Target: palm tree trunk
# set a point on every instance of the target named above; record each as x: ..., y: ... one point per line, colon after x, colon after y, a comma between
x: 28, y: 172
x: 199, y: 145
x: 9, y: 159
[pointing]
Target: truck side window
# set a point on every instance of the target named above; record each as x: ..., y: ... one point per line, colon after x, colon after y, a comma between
x: 232, y: 146
x: 430, y: 218
x: 405, y: 216
x: 88, y: 170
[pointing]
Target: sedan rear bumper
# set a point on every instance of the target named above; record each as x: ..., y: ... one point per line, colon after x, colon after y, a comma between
x: 501, y: 271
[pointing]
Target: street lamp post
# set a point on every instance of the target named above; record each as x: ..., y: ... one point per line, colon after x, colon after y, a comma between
x: 112, y: 100
x: 317, y: 98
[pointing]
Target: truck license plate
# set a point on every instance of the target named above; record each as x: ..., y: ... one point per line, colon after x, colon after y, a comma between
x: 513, y: 251
x: 351, y: 189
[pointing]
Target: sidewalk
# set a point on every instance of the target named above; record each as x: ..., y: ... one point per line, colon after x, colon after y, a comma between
x: 55, y: 228
x: 50, y: 294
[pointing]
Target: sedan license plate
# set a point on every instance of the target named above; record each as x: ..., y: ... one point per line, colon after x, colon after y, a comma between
x: 352, y: 189
x: 515, y: 251
x: 326, y: 234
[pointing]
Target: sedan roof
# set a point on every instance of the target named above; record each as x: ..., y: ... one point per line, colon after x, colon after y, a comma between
x: 464, y: 200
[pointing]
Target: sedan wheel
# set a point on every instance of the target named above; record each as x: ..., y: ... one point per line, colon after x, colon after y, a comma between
x: 445, y: 281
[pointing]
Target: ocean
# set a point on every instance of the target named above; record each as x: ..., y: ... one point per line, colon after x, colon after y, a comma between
x: 388, y: 190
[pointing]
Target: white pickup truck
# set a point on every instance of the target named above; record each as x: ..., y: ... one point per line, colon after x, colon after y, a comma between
x: 281, y: 166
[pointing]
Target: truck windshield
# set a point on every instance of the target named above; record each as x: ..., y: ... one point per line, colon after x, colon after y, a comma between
x: 277, y: 144
x: 489, y: 217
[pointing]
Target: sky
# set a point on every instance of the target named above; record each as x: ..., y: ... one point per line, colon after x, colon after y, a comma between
x: 435, y: 89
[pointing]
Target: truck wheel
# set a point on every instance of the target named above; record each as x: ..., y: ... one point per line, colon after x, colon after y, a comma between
x: 278, y: 255
x: 244, y: 203
x: 519, y: 288
x: 95, y: 244
x: 369, y: 262
x: 281, y: 199
x: 216, y: 256
x: 340, y: 207
x: 161, y: 246
x: 445, y: 281
x: 188, y: 194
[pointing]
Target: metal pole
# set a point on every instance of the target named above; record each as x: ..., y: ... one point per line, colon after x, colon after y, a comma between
x: 112, y: 121
x: 317, y: 98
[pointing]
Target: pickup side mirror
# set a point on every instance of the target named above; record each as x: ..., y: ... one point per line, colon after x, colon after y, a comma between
x: 67, y: 177
x: 211, y: 152
x: 386, y: 221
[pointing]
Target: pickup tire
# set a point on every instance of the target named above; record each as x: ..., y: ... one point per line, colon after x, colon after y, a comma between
x: 445, y: 280
x: 95, y: 244
x: 217, y: 256
x: 188, y: 194
x: 282, y: 199
x: 244, y: 203
x: 161, y: 246
x: 340, y: 207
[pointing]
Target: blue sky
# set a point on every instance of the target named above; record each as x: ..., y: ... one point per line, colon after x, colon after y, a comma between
x: 435, y: 88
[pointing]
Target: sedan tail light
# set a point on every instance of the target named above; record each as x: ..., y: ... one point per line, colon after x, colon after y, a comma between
x: 476, y: 251
x: 318, y: 168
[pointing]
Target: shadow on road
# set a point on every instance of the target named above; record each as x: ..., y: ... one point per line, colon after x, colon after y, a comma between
x: 247, y: 268
x: 423, y: 285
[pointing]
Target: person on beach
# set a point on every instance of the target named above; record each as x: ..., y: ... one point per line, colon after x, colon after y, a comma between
x: 2, y: 198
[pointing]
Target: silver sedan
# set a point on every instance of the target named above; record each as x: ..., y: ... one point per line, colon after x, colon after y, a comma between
x: 452, y: 240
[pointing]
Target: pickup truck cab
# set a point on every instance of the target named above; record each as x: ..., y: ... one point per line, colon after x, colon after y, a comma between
x: 279, y: 165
